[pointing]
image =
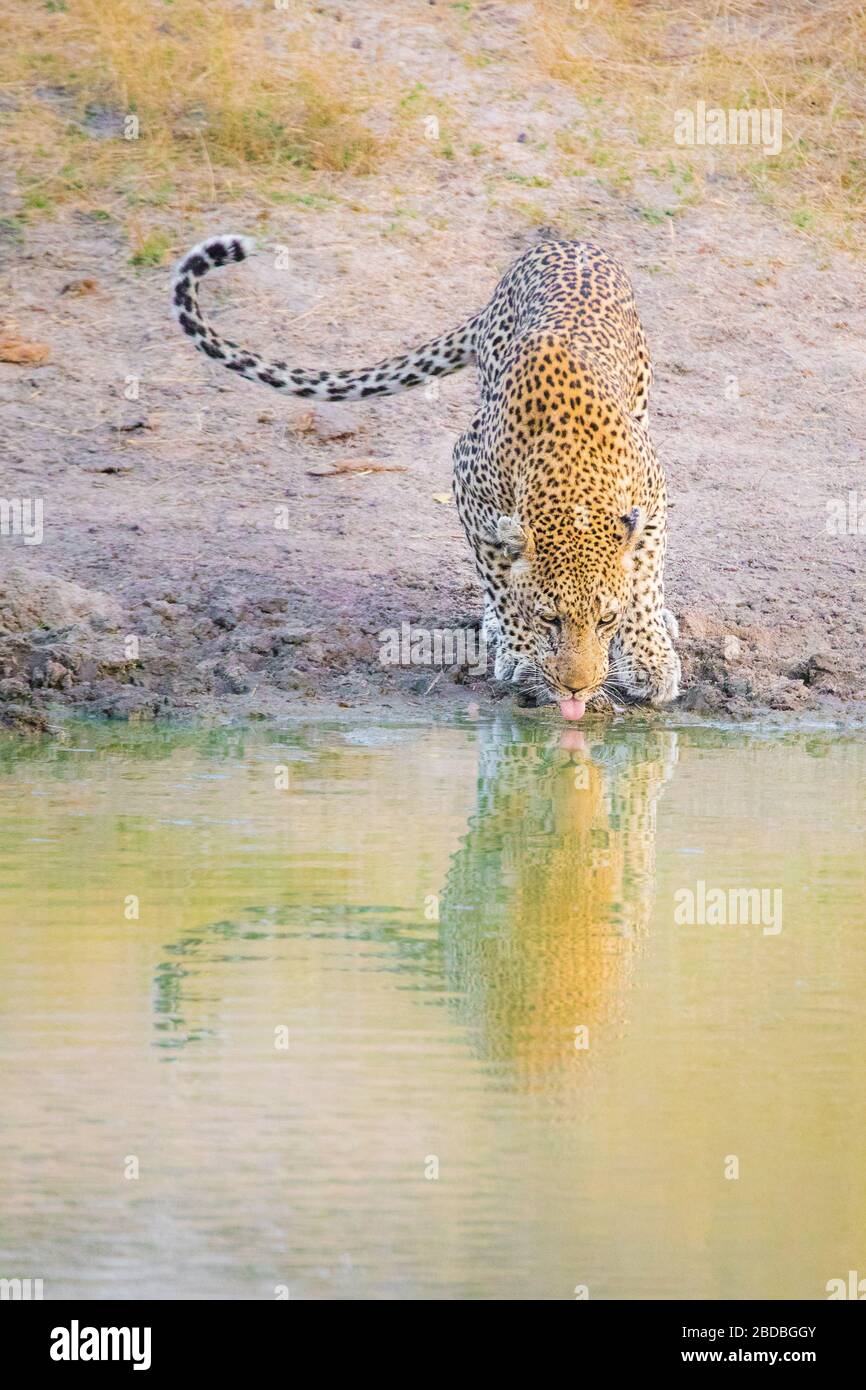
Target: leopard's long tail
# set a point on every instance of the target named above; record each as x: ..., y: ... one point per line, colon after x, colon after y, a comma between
x: 442, y: 355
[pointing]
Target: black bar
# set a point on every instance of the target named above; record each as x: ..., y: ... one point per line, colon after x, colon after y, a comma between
x: 220, y: 1338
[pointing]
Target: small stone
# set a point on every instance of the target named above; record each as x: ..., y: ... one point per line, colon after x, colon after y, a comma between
x: 130, y: 704
x: 109, y: 463
x: 23, y: 719
x: 168, y: 611
x: 817, y: 670
x: 14, y: 689
x: 57, y: 675
x: 139, y: 422
x: 86, y: 285
x: 823, y: 661
x: 234, y: 675
x: 325, y: 420
x: 701, y: 698
x: 32, y: 599
x: 272, y: 603
x: 226, y: 613
x: 293, y: 635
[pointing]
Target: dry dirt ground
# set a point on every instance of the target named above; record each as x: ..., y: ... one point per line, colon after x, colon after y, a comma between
x: 196, y: 517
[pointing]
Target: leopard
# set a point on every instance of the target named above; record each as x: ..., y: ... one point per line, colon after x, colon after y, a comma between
x: 559, y: 490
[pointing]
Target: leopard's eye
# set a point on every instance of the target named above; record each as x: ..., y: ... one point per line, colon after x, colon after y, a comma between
x: 606, y: 621
x: 549, y: 617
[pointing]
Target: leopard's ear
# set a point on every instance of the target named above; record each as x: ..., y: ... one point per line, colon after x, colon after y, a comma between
x: 632, y: 525
x: 515, y: 539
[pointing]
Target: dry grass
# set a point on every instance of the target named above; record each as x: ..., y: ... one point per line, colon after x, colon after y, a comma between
x: 234, y: 99
x: 636, y: 62
x: 224, y: 97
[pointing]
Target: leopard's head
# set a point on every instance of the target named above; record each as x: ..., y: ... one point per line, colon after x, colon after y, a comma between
x: 571, y: 585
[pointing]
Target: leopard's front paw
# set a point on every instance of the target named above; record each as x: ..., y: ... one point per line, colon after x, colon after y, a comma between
x: 650, y: 671
x: 490, y: 626
x: 661, y: 681
x: 666, y: 686
x: 505, y: 664
x: 512, y: 666
x: 524, y: 670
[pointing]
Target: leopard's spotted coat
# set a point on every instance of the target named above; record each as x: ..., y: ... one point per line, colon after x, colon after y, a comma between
x: 558, y: 487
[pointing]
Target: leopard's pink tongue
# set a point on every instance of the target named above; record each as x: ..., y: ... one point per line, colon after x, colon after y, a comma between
x: 572, y: 709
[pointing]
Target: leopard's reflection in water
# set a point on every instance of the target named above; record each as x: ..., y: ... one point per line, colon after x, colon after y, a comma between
x: 540, y: 908
x: 552, y: 888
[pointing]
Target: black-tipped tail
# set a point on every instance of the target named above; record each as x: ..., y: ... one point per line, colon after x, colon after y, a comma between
x: 208, y: 255
x: 443, y: 355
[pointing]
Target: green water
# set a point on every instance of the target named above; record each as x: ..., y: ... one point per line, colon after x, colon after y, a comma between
x: 412, y: 1013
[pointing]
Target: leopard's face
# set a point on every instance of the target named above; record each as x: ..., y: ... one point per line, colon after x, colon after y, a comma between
x: 572, y: 639
x: 571, y: 589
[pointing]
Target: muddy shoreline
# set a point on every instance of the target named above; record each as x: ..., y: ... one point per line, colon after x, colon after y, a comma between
x: 245, y: 656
